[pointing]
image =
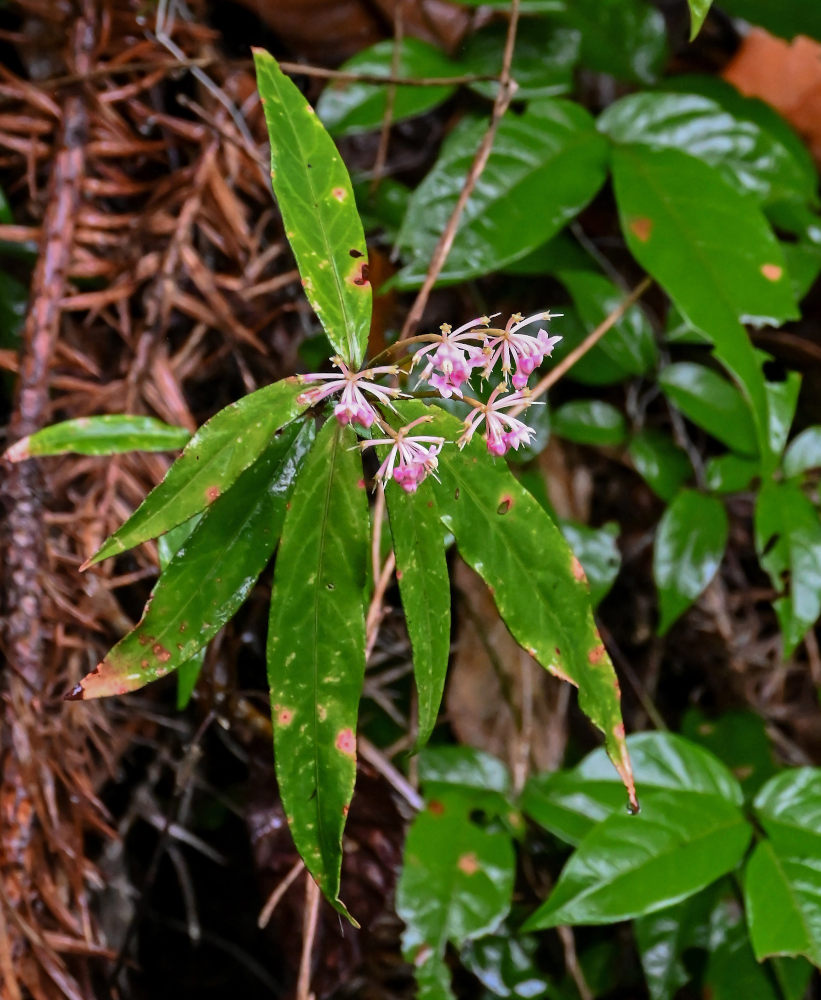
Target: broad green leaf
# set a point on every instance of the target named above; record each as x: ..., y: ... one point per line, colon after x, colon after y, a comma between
x: 739, y: 739
x: 209, y: 576
x: 316, y: 200
x: 747, y: 155
x: 730, y: 473
x: 590, y: 421
x: 463, y: 767
x: 570, y: 803
x: 316, y: 650
x: 660, y: 462
x: 712, y: 403
x: 803, y: 259
x: 456, y: 882
x: 698, y: 11
x: 632, y: 865
x: 104, y: 435
x: 789, y: 809
x: 508, y: 966
x: 782, y: 400
x: 787, y: 18
x: 543, y: 59
x: 560, y: 253
x: 788, y: 541
x: 211, y: 462
x: 350, y: 106
x: 630, y: 343
x: 690, y: 542
x: 538, y: 585
x: 424, y: 586
x: 803, y: 453
x: 713, y: 253
x: 783, y: 897
x: 545, y: 166
x: 598, y: 552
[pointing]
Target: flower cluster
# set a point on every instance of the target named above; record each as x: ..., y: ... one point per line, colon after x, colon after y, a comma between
x: 450, y: 358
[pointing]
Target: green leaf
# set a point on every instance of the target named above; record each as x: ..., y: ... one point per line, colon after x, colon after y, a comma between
x: 712, y: 403
x: 598, y: 552
x: 747, y: 155
x: 730, y: 473
x: 630, y: 343
x: 789, y: 808
x: 590, y: 421
x: 316, y: 650
x: 543, y: 59
x: 560, y: 253
x: 788, y: 541
x: 739, y: 739
x: 463, y: 767
x: 537, y: 583
x: 632, y: 865
x: 545, y: 166
x: 424, y: 586
x: 803, y: 453
x: 507, y: 966
x: 689, y: 547
x: 350, y: 106
x: 783, y: 897
x: 105, y: 435
x: 711, y: 250
x: 456, y: 882
x: 570, y: 803
x: 787, y: 19
x: 316, y: 200
x: 782, y: 400
x: 698, y: 11
x: 660, y: 462
x: 212, y: 461
x: 209, y: 576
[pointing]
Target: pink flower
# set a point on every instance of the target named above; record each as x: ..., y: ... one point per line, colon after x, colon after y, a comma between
x: 411, y: 457
x: 524, y: 350
x: 353, y: 405
x: 502, y: 431
x: 454, y: 356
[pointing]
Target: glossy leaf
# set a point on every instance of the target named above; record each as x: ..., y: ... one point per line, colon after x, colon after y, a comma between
x: 660, y: 462
x: 463, y: 767
x: 316, y: 650
x: 788, y: 540
x: 104, y: 435
x: 787, y: 19
x: 730, y: 473
x: 747, y: 155
x: 803, y: 453
x: 789, y: 809
x: 537, y: 584
x: 632, y: 865
x: 211, y: 462
x: 570, y: 803
x: 590, y: 421
x: 598, y: 552
x: 560, y: 253
x: 316, y: 200
x: 690, y: 542
x: 711, y: 250
x: 629, y: 344
x: 782, y: 401
x: 507, y: 966
x: 783, y: 897
x: 543, y: 59
x: 739, y: 739
x: 350, y: 106
x: 698, y: 11
x: 208, y: 578
x: 712, y: 403
x: 456, y: 882
x: 545, y: 166
x: 424, y: 586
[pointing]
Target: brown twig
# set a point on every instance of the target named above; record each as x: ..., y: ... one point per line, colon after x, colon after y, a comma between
x: 310, y: 915
x: 507, y: 88
x: 390, y: 98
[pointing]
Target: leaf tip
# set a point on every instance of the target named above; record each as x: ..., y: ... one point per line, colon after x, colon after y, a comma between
x: 19, y: 451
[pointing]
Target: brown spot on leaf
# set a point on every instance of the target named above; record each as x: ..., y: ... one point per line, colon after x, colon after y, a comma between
x: 211, y: 493
x: 345, y: 810
x: 346, y: 742
x: 339, y: 193
x: 596, y: 654
x: 468, y: 863
x: 355, y: 253
x: 578, y: 571
x: 284, y: 717
x: 772, y: 272
x: 505, y: 504
x: 399, y: 574
x: 161, y: 652
x: 360, y: 275
x: 641, y: 227
x: 183, y: 626
x: 436, y: 807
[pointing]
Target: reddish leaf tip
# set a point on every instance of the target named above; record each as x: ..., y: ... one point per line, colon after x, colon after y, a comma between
x: 75, y: 694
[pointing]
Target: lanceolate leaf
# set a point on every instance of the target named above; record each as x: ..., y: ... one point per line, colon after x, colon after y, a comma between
x: 690, y: 542
x: 105, y: 435
x: 537, y: 583
x: 424, y: 585
x: 713, y: 253
x: 213, y: 459
x: 316, y: 650
x: 209, y: 577
x: 316, y: 200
